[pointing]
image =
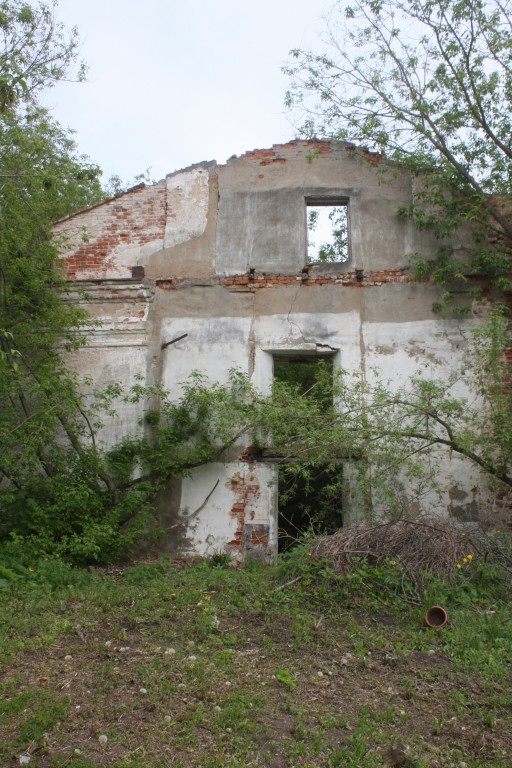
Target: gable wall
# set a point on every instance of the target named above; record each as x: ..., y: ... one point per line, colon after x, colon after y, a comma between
x: 223, y: 252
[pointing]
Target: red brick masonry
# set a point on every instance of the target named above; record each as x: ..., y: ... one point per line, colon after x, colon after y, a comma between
x: 251, y: 283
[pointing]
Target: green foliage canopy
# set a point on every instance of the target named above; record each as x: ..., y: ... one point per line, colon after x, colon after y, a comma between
x: 42, y: 178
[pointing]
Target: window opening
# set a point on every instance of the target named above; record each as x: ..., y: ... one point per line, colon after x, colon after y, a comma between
x: 327, y: 231
x: 309, y: 496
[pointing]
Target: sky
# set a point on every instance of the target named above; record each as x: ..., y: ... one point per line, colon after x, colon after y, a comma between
x: 172, y: 83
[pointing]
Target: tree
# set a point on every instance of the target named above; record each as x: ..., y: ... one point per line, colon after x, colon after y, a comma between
x: 41, y: 415
x: 35, y: 51
x: 42, y: 177
x: 59, y: 492
x: 428, y: 83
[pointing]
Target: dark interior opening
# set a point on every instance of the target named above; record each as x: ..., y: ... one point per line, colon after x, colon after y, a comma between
x: 312, y: 501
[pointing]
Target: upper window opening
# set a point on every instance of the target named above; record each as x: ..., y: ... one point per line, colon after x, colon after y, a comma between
x: 327, y: 230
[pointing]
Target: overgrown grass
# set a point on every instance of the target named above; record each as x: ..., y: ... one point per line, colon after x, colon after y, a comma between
x: 279, y: 666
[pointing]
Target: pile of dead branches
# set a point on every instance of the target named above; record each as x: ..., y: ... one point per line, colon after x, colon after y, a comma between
x: 426, y: 545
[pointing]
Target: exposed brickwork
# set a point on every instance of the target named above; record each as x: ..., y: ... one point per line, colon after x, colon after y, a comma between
x: 252, y: 283
x: 97, y: 239
x: 249, y: 536
x: 357, y: 279
x: 274, y: 155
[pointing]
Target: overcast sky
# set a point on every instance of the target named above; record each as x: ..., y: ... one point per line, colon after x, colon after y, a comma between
x: 173, y: 83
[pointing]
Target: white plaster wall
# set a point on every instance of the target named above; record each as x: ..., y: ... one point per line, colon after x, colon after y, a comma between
x: 105, y: 361
x: 212, y: 346
x: 215, y: 526
x: 308, y: 333
x: 399, y: 350
x: 434, y: 350
x: 187, y: 206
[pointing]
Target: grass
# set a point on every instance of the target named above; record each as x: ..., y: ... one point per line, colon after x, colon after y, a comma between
x: 259, y: 666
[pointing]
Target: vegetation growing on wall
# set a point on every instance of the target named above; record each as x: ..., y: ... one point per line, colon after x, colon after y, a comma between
x: 398, y: 436
x: 95, y: 505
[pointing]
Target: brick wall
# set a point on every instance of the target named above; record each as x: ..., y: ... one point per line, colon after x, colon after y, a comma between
x: 252, y: 283
x: 104, y: 240
x: 275, y: 153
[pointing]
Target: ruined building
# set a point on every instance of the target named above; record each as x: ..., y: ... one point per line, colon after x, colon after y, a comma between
x: 209, y: 269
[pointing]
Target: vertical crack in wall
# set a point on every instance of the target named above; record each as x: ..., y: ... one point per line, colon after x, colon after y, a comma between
x: 305, y: 340
x: 362, y: 343
x: 291, y: 322
x: 252, y: 339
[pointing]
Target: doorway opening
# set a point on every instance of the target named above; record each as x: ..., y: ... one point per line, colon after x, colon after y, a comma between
x: 309, y: 495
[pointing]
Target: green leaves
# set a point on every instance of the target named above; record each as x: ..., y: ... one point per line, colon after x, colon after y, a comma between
x: 36, y: 51
x: 199, y: 426
x: 52, y: 483
x: 430, y: 85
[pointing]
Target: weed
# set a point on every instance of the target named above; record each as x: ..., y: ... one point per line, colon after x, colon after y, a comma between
x: 219, y: 560
x: 238, y: 709
x: 354, y: 754
x: 285, y: 677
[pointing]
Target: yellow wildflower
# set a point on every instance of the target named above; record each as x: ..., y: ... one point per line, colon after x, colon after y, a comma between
x: 459, y: 566
x: 469, y: 557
